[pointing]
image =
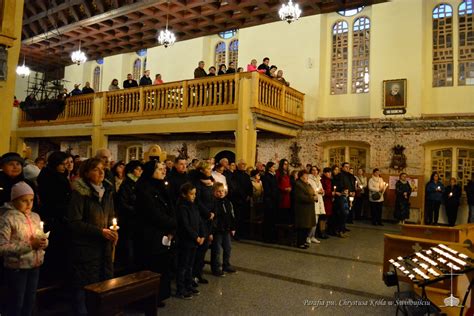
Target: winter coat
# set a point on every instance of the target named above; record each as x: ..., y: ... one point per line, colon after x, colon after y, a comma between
x: 304, y: 205
x: 376, y: 184
x: 432, y: 194
x: 145, y: 81
x: 87, y: 215
x: 453, y: 201
x: 175, y: 181
x: 347, y: 181
x: 327, y: 198
x: 16, y: 229
x: 285, y: 196
x: 469, y: 188
x: 402, y: 203
x: 54, y: 192
x: 243, y: 189
x: 126, y: 198
x: 316, y: 185
x: 205, y: 203
x: 6, y: 184
x: 271, y: 191
x: 189, y: 227
x: 225, y: 218
x: 155, y: 215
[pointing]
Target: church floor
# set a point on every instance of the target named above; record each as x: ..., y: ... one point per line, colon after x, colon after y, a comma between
x: 279, y: 280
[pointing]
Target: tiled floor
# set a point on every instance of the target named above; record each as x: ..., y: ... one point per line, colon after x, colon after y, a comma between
x: 276, y: 280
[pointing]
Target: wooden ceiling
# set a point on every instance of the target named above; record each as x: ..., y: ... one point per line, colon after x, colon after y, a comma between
x: 52, y: 29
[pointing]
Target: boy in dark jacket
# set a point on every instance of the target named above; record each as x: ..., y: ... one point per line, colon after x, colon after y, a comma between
x: 189, y: 236
x: 223, y: 228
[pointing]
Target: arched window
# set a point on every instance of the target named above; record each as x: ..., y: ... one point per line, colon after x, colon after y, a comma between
x: 144, y: 65
x: 134, y: 153
x: 350, y: 12
x: 137, y: 69
x: 227, y: 34
x: 356, y: 156
x: 234, y: 52
x: 96, y: 79
x: 339, y: 57
x: 466, y: 44
x: 455, y: 162
x: 360, y: 55
x: 442, y: 45
x: 219, y: 54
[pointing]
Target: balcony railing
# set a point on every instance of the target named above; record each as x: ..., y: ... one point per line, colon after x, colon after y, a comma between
x: 204, y: 96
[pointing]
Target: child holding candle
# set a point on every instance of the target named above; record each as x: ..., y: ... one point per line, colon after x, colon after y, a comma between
x: 189, y: 237
x: 22, y: 244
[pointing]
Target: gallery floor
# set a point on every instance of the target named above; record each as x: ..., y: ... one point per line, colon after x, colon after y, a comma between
x: 277, y: 280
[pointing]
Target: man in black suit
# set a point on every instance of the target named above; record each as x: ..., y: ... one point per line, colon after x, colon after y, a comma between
x: 146, y: 80
x: 130, y: 82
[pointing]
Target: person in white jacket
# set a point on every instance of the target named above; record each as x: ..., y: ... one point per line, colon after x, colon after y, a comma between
x: 377, y: 187
x: 22, y: 244
x: 315, y: 182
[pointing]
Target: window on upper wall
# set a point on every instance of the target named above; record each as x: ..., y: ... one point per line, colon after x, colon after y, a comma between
x: 350, y: 12
x: 360, y: 55
x: 219, y: 57
x: 466, y: 44
x: 227, y: 34
x: 455, y: 162
x: 96, y: 79
x: 339, y: 57
x: 442, y: 45
x: 144, y: 64
x: 234, y: 52
x: 137, y: 69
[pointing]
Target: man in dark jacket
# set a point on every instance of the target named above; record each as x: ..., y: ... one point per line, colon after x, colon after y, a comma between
x: 231, y: 69
x: 469, y: 188
x: 265, y: 65
x: 76, y: 90
x: 87, y: 88
x: 146, y: 80
x: 130, y: 82
x: 270, y: 200
x: 240, y: 198
x: 199, y: 72
x: 177, y: 177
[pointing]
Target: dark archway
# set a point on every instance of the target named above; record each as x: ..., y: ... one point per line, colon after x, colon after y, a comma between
x: 225, y: 154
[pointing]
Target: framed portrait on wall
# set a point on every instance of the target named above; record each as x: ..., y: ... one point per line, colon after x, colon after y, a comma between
x: 395, y: 94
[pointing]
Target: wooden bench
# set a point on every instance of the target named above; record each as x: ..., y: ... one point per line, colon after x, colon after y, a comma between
x: 112, y: 296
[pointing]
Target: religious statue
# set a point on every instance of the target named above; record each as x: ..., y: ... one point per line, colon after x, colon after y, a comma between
x: 399, y: 160
x: 295, y: 159
x: 183, y: 152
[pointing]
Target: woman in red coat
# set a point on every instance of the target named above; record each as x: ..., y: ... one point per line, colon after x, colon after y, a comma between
x: 284, y: 186
x: 328, y: 196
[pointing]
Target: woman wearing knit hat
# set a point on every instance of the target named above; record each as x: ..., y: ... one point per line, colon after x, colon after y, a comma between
x: 22, y: 244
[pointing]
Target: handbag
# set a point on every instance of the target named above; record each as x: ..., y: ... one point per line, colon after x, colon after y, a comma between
x: 376, y: 196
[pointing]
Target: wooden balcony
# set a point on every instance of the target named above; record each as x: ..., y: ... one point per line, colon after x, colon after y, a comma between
x: 199, y: 97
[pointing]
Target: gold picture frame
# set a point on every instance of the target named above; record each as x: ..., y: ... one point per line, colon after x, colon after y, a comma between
x: 395, y: 94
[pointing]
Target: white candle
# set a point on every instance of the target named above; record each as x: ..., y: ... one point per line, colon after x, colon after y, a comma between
x: 450, y: 194
x: 166, y: 182
x: 438, y: 188
x: 351, y: 199
x: 334, y: 188
x: 42, y: 226
x: 114, y: 224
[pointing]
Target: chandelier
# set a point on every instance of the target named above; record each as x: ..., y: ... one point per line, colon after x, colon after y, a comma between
x: 78, y: 57
x: 166, y: 37
x: 289, y: 12
x: 23, y: 70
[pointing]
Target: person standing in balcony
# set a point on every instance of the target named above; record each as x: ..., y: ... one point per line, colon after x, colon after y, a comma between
x: 272, y: 72
x: 130, y: 82
x: 114, y: 85
x: 279, y: 77
x: 252, y: 66
x: 76, y: 90
x: 146, y: 80
x: 158, y: 79
x: 264, y: 68
x: 199, y: 72
x: 231, y: 69
x: 87, y: 88
x: 212, y: 71
x: 222, y: 70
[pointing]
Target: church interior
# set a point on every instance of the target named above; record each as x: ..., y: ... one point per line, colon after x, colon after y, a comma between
x: 374, y: 96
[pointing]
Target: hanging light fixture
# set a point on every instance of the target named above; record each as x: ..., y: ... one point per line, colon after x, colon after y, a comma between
x: 166, y: 37
x: 23, y: 70
x: 289, y: 12
x: 78, y: 57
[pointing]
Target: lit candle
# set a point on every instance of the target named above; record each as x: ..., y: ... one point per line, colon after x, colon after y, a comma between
x: 438, y: 188
x: 450, y: 194
x: 166, y: 182
x: 351, y: 199
x: 42, y: 226
x: 114, y: 224
x: 334, y: 188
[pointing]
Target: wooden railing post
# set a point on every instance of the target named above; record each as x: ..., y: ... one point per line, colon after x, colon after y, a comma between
x: 283, y: 100
x: 254, y: 102
x: 99, y: 140
x: 141, y: 104
x: 185, y: 97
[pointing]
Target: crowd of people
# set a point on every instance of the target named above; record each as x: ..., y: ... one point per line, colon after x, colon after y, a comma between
x: 62, y: 211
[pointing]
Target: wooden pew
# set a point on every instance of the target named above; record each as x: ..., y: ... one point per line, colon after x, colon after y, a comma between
x: 458, y: 234
x: 112, y: 296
